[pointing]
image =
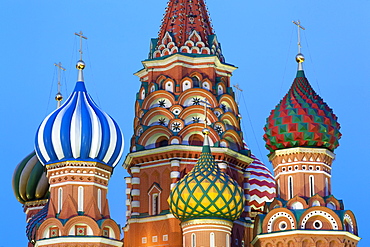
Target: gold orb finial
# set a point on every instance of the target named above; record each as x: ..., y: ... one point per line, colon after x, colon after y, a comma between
x: 80, y: 65
x: 299, y: 58
x: 58, y: 97
x: 206, y: 131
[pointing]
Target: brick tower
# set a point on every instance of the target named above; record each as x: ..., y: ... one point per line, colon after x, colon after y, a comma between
x: 302, y: 133
x: 79, y: 145
x: 184, y: 74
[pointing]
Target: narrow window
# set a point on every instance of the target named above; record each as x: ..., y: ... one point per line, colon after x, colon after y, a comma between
x: 227, y: 240
x: 312, y: 186
x: 326, y: 187
x: 195, y: 81
x: 60, y: 199
x: 212, y: 240
x: 80, y: 199
x: 290, y: 187
x: 279, y: 188
x: 99, y: 200
x: 193, y: 240
x: 155, y: 204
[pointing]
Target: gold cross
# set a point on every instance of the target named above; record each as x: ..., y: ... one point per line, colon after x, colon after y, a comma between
x: 80, y: 34
x: 298, y: 23
x: 237, y: 94
x: 59, y: 65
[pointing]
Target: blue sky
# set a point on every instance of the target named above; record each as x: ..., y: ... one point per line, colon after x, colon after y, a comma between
x: 256, y: 36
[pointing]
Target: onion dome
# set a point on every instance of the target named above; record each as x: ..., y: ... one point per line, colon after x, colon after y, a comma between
x: 261, y: 185
x: 29, y: 180
x: 206, y: 191
x: 302, y: 118
x: 79, y: 130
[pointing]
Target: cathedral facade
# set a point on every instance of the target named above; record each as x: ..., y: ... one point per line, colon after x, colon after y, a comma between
x: 192, y: 179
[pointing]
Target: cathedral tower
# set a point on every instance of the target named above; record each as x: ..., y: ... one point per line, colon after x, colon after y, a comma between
x: 79, y: 145
x: 184, y: 74
x: 302, y: 133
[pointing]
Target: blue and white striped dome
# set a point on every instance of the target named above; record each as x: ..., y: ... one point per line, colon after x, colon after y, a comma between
x: 79, y: 130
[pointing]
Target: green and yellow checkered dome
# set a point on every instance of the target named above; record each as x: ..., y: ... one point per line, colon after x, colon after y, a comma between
x: 206, y: 192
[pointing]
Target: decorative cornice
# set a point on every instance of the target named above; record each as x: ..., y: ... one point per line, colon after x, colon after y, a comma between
x: 86, y: 239
x: 188, y: 149
x: 207, y: 222
x: 79, y: 164
x: 184, y: 60
x: 305, y: 232
x: 289, y: 151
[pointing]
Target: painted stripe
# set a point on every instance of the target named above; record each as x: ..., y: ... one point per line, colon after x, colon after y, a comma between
x: 56, y: 129
x: 113, y: 138
x: 86, y: 129
x: 96, y: 130
x: 75, y: 133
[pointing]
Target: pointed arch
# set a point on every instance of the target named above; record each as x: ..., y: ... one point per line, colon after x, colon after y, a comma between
x: 154, y: 114
x: 149, y: 137
x: 152, y: 99
x: 192, y: 129
x: 197, y: 110
x: 230, y: 103
x: 202, y: 93
x: 230, y: 121
x: 234, y: 139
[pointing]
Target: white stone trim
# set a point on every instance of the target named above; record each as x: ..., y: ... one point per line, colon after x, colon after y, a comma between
x: 135, y: 180
x: 288, y: 151
x: 326, y: 215
x: 305, y: 232
x: 175, y: 174
x: 78, y: 183
x: 135, y: 192
x: 51, y: 241
x: 279, y: 215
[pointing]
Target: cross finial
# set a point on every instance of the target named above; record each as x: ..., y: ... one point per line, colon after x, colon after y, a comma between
x: 298, y: 23
x: 80, y: 34
x: 240, y: 90
x: 58, y: 96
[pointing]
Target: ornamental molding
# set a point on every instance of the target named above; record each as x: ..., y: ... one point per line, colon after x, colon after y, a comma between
x: 210, y: 222
x: 32, y: 205
x: 186, y: 149
x: 80, y: 164
x: 74, y: 240
x: 174, y: 60
x: 311, y: 233
x: 150, y: 219
x: 300, y: 150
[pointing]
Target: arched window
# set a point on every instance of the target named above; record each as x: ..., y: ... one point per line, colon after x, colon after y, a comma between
x: 212, y: 240
x: 195, y: 81
x: 290, y: 187
x: 312, y: 186
x: 99, y: 200
x: 60, y: 199
x: 220, y: 90
x: 161, y: 142
x: 196, y: 140
x: 297, y: 205
x: 80, y: 199
x: 193, y: 240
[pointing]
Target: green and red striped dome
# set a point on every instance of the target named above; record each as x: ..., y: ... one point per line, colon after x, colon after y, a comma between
x: 302, y: 119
